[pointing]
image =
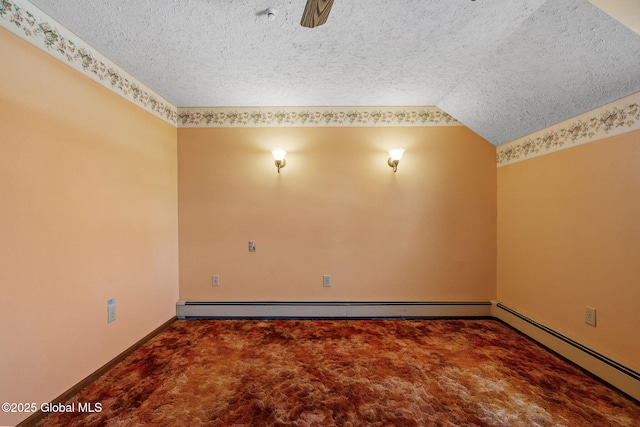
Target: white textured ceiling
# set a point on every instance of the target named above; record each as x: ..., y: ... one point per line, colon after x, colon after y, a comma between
x: 504, y: 68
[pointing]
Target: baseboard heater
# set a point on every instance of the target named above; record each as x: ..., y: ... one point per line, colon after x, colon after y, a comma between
x: 342, y: 310
x: 623, y: 378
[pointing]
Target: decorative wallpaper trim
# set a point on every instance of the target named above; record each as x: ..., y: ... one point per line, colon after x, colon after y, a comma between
x: 616, y: 118
x: 31, y: 24
x: 313, y: 117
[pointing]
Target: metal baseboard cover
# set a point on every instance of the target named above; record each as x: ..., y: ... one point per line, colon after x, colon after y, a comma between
x: 618, y: 375
x: 337, y: 309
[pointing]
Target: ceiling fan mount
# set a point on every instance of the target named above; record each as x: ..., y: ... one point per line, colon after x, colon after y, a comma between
x: 316, y: 13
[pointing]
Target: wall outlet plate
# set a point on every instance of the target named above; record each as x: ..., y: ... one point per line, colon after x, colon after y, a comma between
x: 111, y: 310
x: 215, y: 280
x: 590, y: 316
x: 326, y: 281
x: 252, y: 245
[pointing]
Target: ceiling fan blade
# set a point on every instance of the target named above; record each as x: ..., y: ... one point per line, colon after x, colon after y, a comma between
x: 316, y: 13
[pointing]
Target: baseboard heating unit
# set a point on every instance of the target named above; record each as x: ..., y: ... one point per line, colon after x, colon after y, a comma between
x: 342, y: 310
x: 616, y: 374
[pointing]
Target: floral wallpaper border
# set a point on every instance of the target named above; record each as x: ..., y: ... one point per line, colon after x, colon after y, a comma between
x: 313, y: 117
x: 616, y: 118
x: 31, y: 24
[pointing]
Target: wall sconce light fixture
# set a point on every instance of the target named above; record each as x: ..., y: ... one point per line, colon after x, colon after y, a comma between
x: 278, y: 156
x: 394, y: 158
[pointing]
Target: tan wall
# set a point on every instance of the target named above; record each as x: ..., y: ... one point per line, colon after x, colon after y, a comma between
x: 569, y: 237
x: 425, y: 233
x: 88, y: 212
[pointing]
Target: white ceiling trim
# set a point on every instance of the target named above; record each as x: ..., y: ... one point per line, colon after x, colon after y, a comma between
x: 217, y: 117
x: 23, y: 19
x: 616, y: 118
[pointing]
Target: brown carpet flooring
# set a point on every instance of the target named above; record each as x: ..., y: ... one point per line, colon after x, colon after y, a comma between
x: 347, y: 373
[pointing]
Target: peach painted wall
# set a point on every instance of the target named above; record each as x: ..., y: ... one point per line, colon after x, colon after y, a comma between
x: 88, y: 212
x: 569, y: 237
x: 425, y: 233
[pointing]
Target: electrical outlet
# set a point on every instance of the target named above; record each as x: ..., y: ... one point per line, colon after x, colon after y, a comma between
x: 590, y: 316
x: 215, y: 280
x: 252, y: 245
x: 326, y: 281
x: 111, y: 310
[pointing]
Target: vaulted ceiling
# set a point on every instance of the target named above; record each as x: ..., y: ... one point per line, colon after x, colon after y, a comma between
x: 503, y: 68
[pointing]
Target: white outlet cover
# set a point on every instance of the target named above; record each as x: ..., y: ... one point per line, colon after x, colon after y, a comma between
x: 326, y: 281
x: 590, y: 316
x: 111, y: 310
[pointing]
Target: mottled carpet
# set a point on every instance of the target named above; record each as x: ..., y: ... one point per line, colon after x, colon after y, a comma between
x: 347, y: 373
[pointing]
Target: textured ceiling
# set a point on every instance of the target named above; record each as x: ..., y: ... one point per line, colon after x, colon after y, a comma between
x: 501, y: 67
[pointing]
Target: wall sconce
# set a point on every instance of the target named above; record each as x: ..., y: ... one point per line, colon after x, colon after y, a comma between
x: 394, y: 158
x: 278, y: 156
